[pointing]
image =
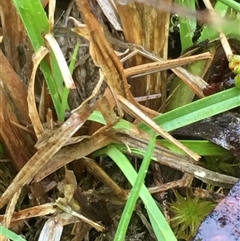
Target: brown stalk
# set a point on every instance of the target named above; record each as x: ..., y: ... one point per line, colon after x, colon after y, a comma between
x: 42, y: 156
x: 104, y: 57
x: 32, y: 108
x: 13, y: 109
x: 131, y: 109
x: 67, y: 77
x: 133, y: 138
x: 196, y: 83
x: 69, y: 153
x: 37, y: 211
x: 95, y: 170
x: 9, y: 212
x: 164, y: 64
x: 146, y: 26
x: 176, y: 161
x: 203, y: 16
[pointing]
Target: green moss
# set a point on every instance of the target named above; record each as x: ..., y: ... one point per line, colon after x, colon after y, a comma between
x: 224, y: 165
x: 187, y: 214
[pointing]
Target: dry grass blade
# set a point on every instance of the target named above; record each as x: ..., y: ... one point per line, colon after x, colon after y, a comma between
x: 109, y: 10
x: 176, y: 161
x: 100, y: 174
x: 32, y: 109
x: 67, y: 77
x: 183, y: 182
x: 196, y: 83
x: 105, y: 58
x: 13, y: 113
x: 36, y: 211
x: 42, y: 156
x: 9, y: 212
x: 164, y: 64
x: 53, y: 227
x: 51, y: 11
x: 69, y: 153
x: 128, y: 107
x: 69, y: 210
x: 134, y: 138
x: 146, y: 26
x: 222, y: 37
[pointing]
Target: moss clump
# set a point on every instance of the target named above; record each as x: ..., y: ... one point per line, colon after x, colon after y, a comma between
x: 187, y: 214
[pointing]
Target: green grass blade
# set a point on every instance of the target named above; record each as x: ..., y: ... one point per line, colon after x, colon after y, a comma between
x: 185, y: 115
x: 9, y: 234
x: 188, y: 114
x: 134, y: 194
x: 182, y: 93
x: 36, y: 24
x: 231, y: 3
x: 198, y: 110
x: 193, y: 112
x: 232, y: 30
x: 123, y: 163
x: 74, y: 58
x: 66, y: 91
x: 200, y: 147
x: 187, y: 25
x: 210, y: 32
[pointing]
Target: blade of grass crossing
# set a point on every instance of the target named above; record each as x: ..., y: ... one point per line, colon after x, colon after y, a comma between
x: 198, y: 110
x: 185, y: 115
x: 201, y: 147
x: 164, y: 231
x: 134, y: 194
